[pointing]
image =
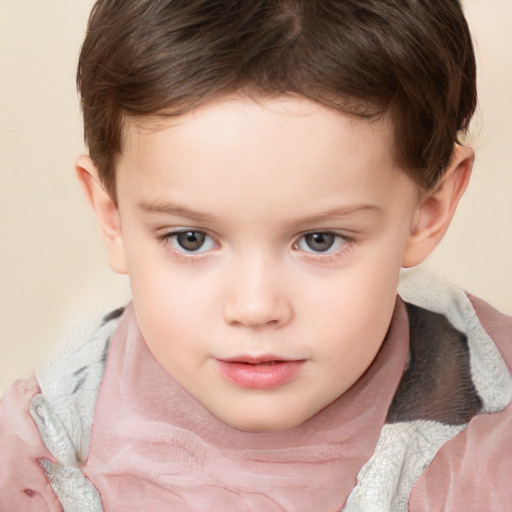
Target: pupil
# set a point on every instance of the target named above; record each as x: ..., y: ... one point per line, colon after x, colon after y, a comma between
x: 191, y: 240
x: 320, y: 242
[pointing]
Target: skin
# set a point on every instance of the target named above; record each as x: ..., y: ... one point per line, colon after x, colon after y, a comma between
x: 307, y: 221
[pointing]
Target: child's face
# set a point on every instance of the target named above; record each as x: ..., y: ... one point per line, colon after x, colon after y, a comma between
x: 263, y: 241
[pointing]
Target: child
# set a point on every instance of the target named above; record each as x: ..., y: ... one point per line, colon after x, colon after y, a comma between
x: 262, y: 171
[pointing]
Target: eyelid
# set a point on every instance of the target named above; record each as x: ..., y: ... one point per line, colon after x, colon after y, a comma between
x: 325, y: 257
x: 166, y: 240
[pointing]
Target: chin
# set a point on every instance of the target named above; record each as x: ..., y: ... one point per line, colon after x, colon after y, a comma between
x: 260, y: 423
x: 259, y: 427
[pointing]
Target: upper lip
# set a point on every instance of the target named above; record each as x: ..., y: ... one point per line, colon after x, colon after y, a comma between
x: 267, y: 358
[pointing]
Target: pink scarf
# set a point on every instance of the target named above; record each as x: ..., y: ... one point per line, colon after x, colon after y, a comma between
x: 154, y: 448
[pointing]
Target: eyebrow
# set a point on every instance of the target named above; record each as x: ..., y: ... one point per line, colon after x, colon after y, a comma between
x: 175, y: 210
x: 344, y: 211
x: 178, y: 210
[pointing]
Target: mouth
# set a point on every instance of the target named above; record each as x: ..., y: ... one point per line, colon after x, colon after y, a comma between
x: 264, y: 372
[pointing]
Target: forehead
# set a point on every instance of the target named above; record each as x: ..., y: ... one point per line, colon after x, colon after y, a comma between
x: 268, y: 147
x: 257, y: 119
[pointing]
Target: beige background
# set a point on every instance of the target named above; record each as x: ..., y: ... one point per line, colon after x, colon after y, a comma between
x: 52, y: 266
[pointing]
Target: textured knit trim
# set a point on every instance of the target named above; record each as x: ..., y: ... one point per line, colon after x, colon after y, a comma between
x: 403, y: 453
x: 64, y: 411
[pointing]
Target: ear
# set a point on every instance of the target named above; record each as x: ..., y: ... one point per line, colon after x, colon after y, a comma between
x: 437, y: 208
x: 107, y: 213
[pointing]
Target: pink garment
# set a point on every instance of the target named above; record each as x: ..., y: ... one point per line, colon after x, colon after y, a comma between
x: 23, y: 485
x: 154, y: 448
x: 473, y: 471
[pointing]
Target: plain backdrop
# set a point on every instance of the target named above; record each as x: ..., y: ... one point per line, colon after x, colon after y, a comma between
x: 53, y: 270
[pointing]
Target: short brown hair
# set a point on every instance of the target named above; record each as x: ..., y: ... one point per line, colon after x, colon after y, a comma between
x: 411, y: 58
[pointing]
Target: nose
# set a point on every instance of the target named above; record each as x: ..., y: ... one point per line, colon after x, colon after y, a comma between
x: 256, y: 296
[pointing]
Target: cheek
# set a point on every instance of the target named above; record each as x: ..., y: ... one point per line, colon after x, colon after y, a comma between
x: 355, y: 307
x: 165, y: 304
x: 172, y: 307
x: 159, y: 286
x: 374, y: 300
x: 170, y: 331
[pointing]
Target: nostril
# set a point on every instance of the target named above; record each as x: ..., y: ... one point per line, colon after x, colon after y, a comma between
x: 30, y: 493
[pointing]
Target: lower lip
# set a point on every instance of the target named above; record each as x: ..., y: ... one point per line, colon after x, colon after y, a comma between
x: 260, y: 376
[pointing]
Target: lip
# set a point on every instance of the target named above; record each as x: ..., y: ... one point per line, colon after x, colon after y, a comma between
x: 265, y: 372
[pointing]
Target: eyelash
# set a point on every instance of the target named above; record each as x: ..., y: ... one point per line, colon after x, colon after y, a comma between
x: 166, y: 241
x: 326, y: 257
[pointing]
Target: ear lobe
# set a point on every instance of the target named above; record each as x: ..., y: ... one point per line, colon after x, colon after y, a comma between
x: 436, y: 210
x: 106, y: 211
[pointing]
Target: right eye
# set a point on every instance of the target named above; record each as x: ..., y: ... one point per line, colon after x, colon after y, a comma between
x: 190, y: 241
x: 321, y: 242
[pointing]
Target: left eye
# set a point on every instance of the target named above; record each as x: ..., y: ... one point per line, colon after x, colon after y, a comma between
x: 321, y: 242
x: 190, y: 241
